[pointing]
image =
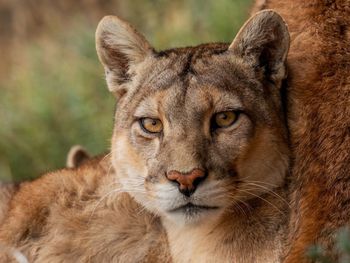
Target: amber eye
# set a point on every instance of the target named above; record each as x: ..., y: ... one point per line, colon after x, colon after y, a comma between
x: 224, y: 119
x: 151, y: 125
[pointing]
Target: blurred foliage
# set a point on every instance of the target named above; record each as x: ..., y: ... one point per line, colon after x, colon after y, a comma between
x: 340, y: 251
x: 52, y: 92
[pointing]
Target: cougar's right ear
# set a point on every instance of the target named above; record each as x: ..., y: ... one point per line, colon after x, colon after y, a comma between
x: 120, y: 48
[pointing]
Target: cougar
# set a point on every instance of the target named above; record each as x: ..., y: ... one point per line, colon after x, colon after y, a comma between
x: 198, y: 164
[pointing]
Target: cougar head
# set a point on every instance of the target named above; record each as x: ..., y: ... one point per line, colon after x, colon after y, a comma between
x: 196, y: 127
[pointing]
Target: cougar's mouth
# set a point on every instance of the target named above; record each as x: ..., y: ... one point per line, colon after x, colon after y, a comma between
x: 190, y: 208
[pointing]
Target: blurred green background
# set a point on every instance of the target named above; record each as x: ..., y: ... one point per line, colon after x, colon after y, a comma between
x: 52, y: 91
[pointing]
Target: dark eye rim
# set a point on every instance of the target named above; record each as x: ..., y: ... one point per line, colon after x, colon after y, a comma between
x: 141, y: 123
x: 213, y: 124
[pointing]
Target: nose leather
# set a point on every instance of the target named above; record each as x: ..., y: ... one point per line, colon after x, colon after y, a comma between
x: 187, y: 181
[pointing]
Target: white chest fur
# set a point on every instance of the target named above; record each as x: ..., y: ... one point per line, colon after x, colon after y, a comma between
x: 227, y: 241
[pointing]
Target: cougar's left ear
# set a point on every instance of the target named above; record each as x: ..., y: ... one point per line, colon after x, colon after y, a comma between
x: 263, y: 41
x: 120, y: 48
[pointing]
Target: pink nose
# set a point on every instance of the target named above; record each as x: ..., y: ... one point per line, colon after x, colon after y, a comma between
x: 187, y: 181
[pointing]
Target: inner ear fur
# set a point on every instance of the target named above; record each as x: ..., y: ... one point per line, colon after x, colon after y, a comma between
x: 120, y: 48
x: 264, y: 41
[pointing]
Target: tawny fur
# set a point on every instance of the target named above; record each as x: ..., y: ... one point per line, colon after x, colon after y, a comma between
x: 319, y: 119
x: 75, y: 157
x: 72, y: 216
x: 7, y: 190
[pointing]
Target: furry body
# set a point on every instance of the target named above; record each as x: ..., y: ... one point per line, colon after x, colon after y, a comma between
x: 319, y: 119
x: 66, y: 216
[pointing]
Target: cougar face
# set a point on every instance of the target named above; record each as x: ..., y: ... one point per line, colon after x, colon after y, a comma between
x: 198, y: 129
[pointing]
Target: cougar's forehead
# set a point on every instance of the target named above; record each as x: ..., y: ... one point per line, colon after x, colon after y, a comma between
x: 193, y: 79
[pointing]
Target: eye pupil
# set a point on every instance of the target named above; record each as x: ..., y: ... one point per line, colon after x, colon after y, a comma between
x: 151, y: 125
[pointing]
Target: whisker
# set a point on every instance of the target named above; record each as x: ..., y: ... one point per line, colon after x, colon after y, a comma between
x: 270, y: 191
x: 143, y: 208
x: 261, y: 182
x: 106, y: 156
x: 257, y: 196
x: 236, y: 205
x: 114, y: 191
x: 101, y: 199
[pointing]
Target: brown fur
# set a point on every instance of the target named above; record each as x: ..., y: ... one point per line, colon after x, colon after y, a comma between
x: 123, y: 208
x: 7, y: 190
x: 66, y: 217
x: 319, y: 119
x: 76, y: 156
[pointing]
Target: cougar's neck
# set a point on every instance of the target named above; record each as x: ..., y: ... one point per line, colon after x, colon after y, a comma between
x: 253, y: 232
